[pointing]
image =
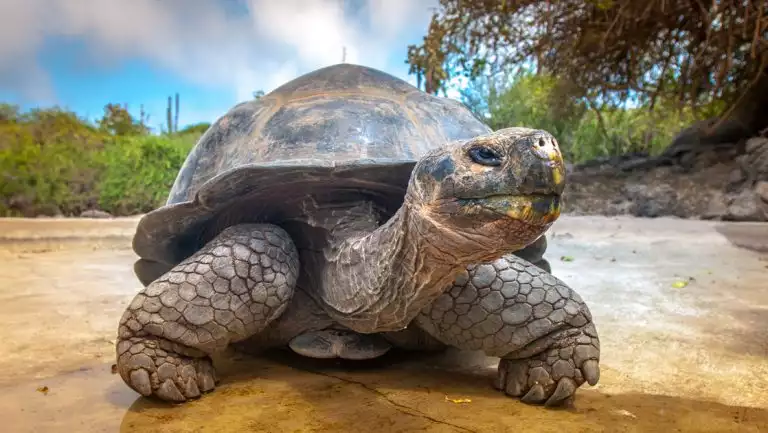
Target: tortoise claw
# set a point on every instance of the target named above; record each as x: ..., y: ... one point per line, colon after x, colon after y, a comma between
x: 591, y: 370
x: 153, y: 371
x: 565, y: 389
x: 169, y: 391
x: 535, y: 395
x: 552, y: 376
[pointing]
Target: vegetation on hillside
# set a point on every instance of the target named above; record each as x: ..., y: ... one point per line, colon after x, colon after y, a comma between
x: 585, y: 130
x: 53, y: 162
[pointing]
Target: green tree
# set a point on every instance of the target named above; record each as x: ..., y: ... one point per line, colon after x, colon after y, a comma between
x: 118, y: 121
x: 611, y: 51
x: 585, y: 131
x: 9, y: 113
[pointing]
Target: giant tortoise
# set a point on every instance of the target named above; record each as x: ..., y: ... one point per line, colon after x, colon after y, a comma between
x: 346, y: 213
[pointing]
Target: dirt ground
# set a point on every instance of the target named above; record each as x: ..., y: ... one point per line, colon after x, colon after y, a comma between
x: 683, y: 359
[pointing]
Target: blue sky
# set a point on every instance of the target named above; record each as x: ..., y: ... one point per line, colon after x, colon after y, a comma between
x: 82, y: 54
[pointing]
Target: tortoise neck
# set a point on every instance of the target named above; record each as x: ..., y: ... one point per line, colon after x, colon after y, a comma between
x: 352, y: 220
x: 380, y: 281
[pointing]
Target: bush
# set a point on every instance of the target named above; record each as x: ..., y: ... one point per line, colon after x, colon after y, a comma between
x: 49, y: 163
x: 52, y: 162
x: 584, y: 131
x: 139, y: 172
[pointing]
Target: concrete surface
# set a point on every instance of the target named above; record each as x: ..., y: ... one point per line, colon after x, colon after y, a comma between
x: 690, y: 359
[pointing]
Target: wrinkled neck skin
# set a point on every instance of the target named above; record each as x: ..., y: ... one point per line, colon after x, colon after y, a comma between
x: 380, y: 281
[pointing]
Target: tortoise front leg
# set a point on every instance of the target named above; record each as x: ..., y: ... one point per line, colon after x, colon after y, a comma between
x: 228, y: 291
x: 534, y: 253
x: 541, y: 329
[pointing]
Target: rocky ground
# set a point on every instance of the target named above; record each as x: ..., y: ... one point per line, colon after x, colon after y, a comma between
x: 727, y: 181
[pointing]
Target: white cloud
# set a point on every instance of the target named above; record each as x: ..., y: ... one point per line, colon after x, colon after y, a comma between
x: 261, y: 45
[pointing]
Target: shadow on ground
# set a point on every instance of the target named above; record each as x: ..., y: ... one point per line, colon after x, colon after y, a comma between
x: 405, y: 393
x: 752, y: 236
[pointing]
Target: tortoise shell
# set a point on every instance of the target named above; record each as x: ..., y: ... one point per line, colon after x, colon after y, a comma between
x: 341, y: 128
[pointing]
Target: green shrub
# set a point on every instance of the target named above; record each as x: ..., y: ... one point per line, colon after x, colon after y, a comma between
x: 49, y: 163
x: 139, y: 172
x: 586, y: 132
x: 52, y: 162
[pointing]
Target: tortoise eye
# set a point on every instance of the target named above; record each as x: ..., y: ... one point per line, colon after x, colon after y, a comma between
x: 485, y: 156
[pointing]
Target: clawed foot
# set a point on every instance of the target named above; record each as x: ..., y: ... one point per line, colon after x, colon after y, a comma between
x: 157, y: 367
x: 553, y: 376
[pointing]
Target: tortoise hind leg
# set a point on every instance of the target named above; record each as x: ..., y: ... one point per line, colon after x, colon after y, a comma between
x: 231, y: 289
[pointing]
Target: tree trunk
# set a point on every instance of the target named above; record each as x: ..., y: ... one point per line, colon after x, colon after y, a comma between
x: 746, y: 118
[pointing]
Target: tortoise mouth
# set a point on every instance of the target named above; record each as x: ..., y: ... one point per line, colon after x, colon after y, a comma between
x: 531, y: 208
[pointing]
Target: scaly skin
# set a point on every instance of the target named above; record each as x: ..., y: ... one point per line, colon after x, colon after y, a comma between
x: 541, y: 329
x: 456, y: 212
x: 229, y: 290
x: 466, y: 203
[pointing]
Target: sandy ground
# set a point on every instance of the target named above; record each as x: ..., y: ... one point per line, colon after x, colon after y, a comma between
x: 690, y: 359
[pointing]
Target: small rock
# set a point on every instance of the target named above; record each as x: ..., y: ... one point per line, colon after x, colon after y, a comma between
x: 633, y: 191
x: 755, y: 143
x: 647, y: 208
x: 707, y: 159
x: 761, y: 188
x: 745, y: 206
x: 651, y: 201
x: 736, y: 176
x: 95, y: 213
x: 717, y: 208
x: 619, y: 207
x: 755, y: 162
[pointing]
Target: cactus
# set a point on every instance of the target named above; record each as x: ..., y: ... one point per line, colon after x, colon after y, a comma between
x: 169, y: 118
x: 172, y: 118
x: 143, y: 116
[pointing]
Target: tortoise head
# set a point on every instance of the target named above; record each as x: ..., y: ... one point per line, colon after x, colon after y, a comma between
x: 497, y: 192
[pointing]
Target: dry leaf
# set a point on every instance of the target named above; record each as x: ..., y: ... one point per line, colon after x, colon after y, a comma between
x: 458, y: 400
x: 679, y: 284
